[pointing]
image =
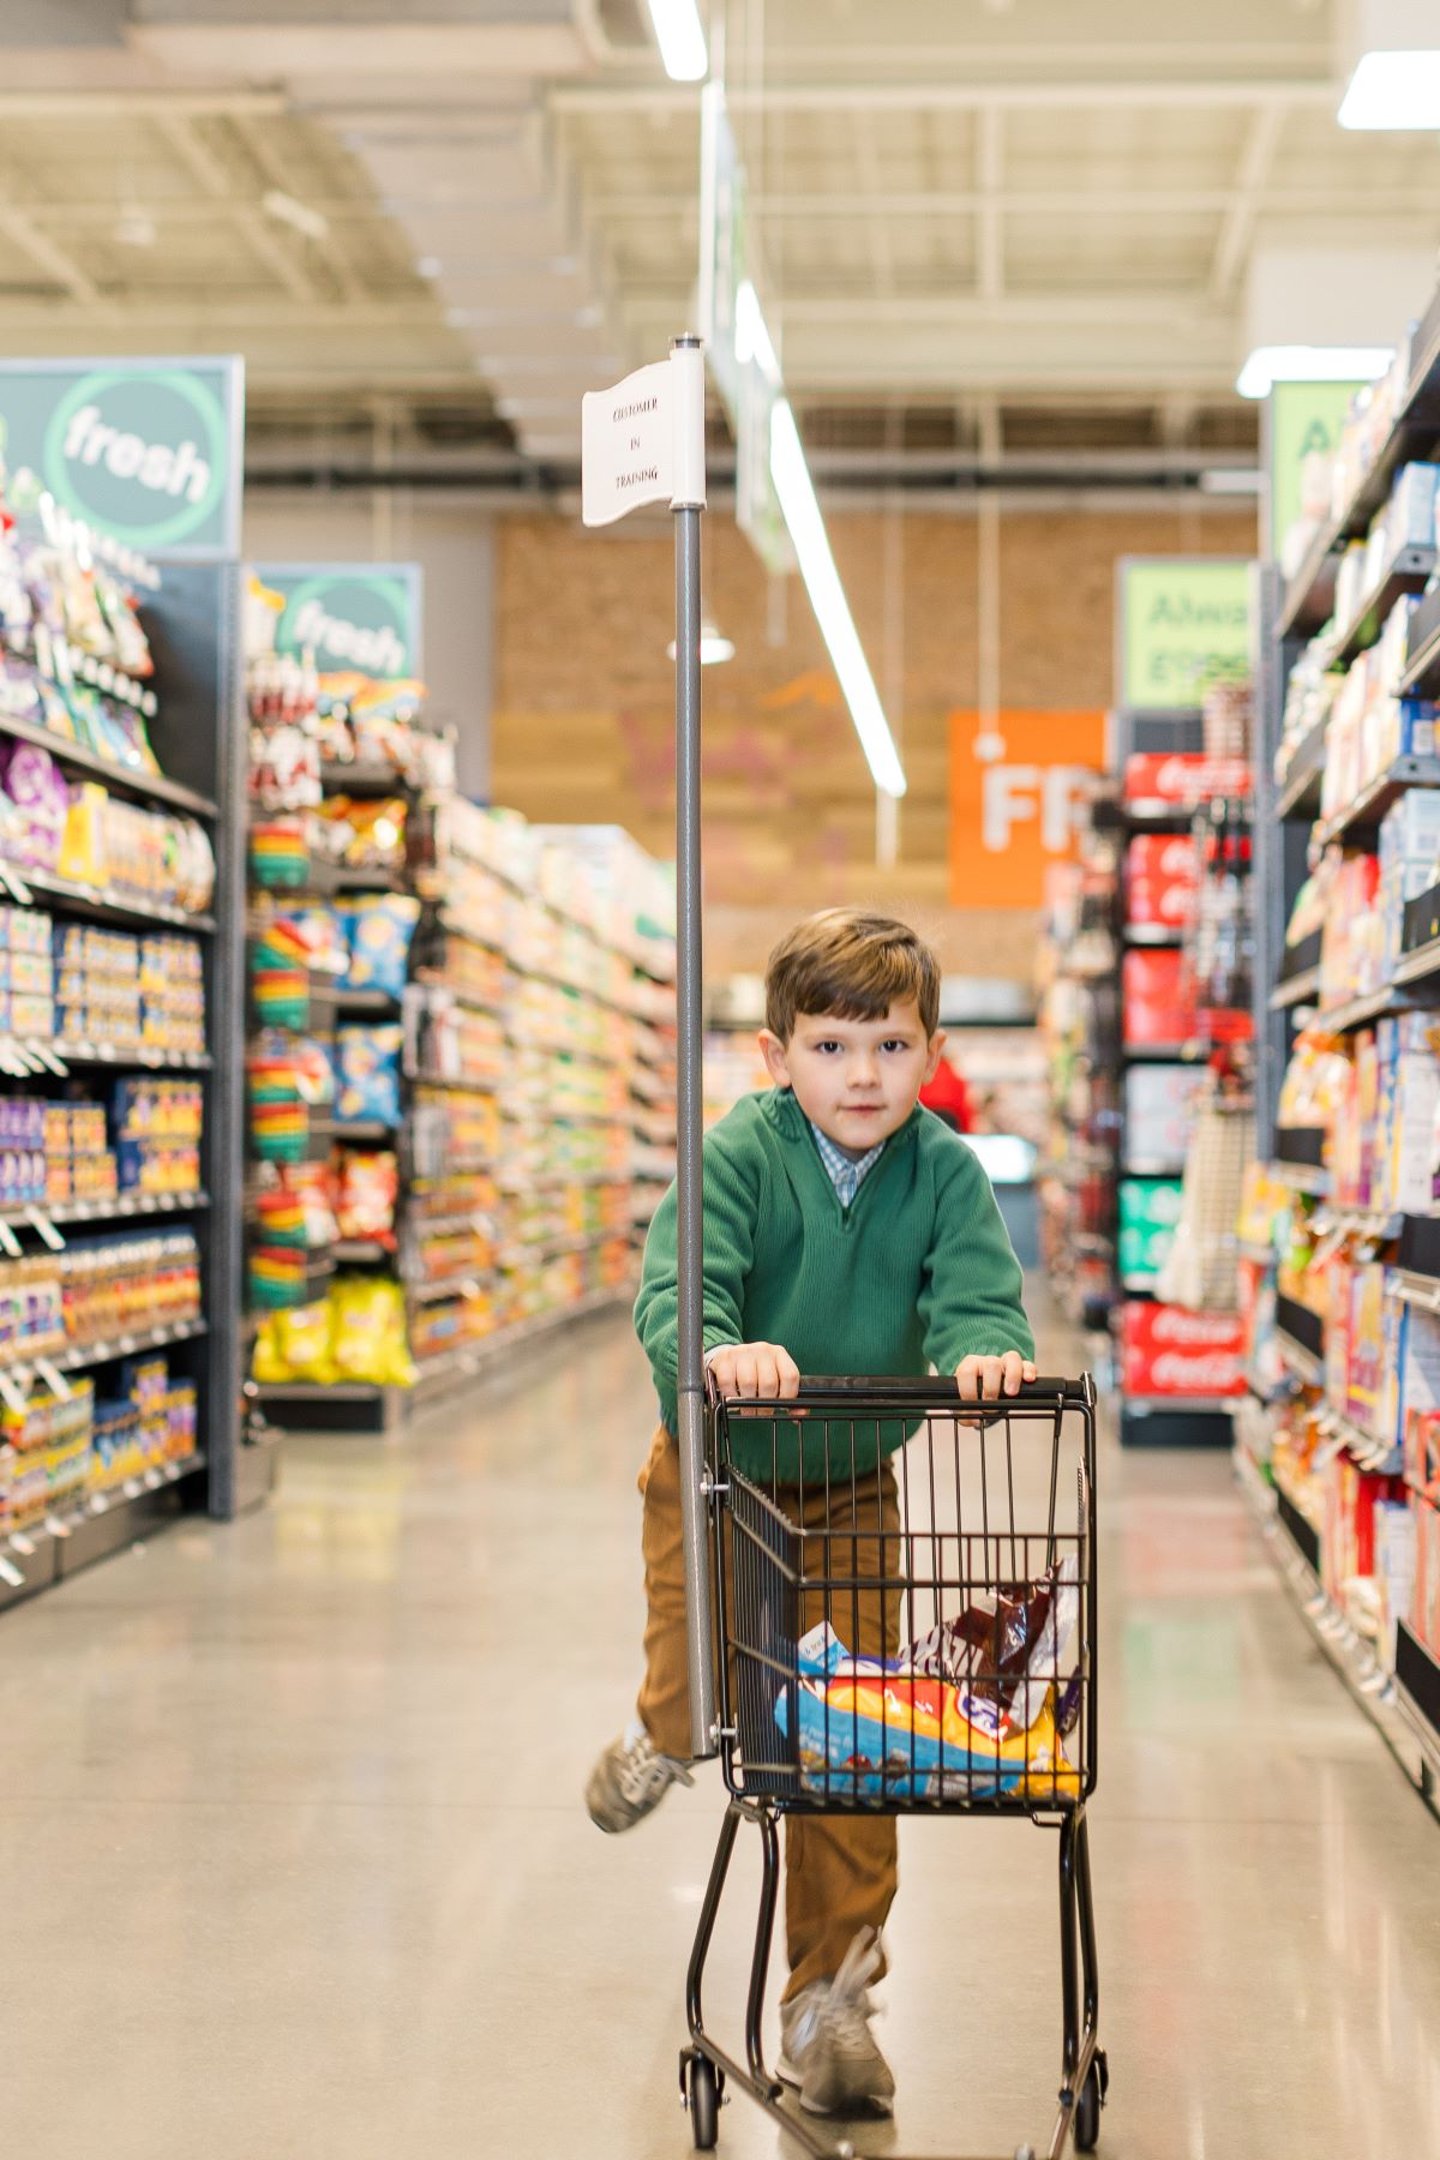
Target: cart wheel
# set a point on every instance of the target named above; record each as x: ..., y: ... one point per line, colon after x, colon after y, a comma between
x: 702, y: 2096
x: 1089, y: 2104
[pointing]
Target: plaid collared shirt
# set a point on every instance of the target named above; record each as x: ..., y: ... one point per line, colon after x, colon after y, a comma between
x: 847, y: 1175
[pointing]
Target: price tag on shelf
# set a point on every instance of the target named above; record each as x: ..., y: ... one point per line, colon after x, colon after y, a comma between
x: 54, y: 1379
x: 57, y: 1528
x: 16, y: 886
x: 12, y: 1393
x: 11, y: 1574
x: 22, y: 1544
x: 99, y: 1505
x: 9, y: 1243
x: 132, y: 1488
x: 153, y: 1481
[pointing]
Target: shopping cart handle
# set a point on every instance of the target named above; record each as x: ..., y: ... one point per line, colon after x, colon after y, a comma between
x: 936, y: 1387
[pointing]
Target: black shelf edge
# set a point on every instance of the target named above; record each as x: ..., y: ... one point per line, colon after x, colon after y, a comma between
x: 1370, y: 806
x: 1296, y: 990
x: 1299, y: 795
x: 1418, y: 1252
x: 1422, y: 660
x: 1364, y: 1011
x: 364, y: 1129
x: 155, y: 786
x: 123, y: 1207
x: 1305, y: 1328
x: 1406, y: 574
x: 1172, y: 1421
x: 1301, y: 1145
x: 1417, y: 1672
x: 1156, y: 1054
x: 103, y: 906
x: 1147, y: 1168
x: 25, y: 1370
x: 1151, y: 937
x: 365, y: 1001
x: 1299, y: 1529
x: 102, y: 1524
x: 358, y: 780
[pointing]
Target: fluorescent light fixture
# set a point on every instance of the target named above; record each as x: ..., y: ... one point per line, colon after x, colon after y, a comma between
x: 1269, y: 364
x: 752, y: 337
x: 1394, y: 90
x: 715, y: 650
x: 680, y: 34
x: 289, y: 210
x: 796, y: 492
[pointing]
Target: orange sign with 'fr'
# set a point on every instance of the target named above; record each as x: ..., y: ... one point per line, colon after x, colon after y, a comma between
x: 1014, y: 814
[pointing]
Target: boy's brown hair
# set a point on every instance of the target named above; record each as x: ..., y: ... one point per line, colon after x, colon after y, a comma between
x: 852, y: 964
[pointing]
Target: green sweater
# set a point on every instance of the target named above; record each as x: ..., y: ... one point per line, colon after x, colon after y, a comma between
x: 918, y: 1271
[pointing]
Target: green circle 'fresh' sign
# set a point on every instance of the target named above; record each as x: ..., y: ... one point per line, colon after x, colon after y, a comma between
x: 142, y: 454
x: 357, y: 619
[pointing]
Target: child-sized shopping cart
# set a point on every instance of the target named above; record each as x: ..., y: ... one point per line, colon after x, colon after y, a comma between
x: 904, y: 1589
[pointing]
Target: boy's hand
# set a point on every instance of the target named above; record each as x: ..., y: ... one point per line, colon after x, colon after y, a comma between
x: 987, y: 1379
x: 758, y: 1369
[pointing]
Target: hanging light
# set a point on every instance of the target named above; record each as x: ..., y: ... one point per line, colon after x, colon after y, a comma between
x: 715, y: 650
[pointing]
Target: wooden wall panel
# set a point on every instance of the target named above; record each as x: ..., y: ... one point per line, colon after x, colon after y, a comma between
x: 583, y: 713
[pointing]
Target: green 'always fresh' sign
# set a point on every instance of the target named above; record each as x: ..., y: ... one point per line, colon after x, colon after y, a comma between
x: 1184, y: 625
x: 349, y: 615
x: 149, y: 451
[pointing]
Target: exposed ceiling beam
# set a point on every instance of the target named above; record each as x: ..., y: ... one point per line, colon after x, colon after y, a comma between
x: 1169, y: 92
x: 277, y: 176
x: 1077, y: 201
x: 1238, y: 225
x: 882, y: 255
x: 21, y: 228
x: 120, y: 104
x: 217, y: 182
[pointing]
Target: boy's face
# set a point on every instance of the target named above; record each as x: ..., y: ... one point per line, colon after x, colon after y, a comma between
x: 858, y: 1080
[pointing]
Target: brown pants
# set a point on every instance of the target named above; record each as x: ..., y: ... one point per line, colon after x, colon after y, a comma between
x: 840, y: 1871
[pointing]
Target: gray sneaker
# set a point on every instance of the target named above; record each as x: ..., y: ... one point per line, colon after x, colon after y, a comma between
x: 828, y: 2049
x: 630, y: 1780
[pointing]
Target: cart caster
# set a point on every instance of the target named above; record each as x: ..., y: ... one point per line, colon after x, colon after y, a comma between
x: 703, y: 2085
x: 1089, y: 2104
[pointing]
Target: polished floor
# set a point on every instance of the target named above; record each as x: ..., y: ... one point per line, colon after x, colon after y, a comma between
x: 293, y: 1864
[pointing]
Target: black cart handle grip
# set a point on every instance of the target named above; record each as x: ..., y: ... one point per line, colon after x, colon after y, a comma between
x: 886, y: 1390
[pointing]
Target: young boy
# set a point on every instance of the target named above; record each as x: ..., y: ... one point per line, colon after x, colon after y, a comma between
x: 846, y: 1230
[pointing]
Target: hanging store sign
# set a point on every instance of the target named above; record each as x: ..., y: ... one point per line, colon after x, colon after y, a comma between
x: 1013, y: 817
x: 644, y: 440
x: 1304, y: 420
x: 147, y: 451
x: 365, y: 616
x: 1184, y: 625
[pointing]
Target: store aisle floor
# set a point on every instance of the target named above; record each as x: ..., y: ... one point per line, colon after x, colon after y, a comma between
x: 293, y: 1861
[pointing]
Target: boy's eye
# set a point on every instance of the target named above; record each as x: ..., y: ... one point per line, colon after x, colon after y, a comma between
x: 825, y: 1048
x: 896, y: 1042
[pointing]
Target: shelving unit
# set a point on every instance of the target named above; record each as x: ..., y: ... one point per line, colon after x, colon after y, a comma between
x: 1386, y: 1256
x: 190, y: 613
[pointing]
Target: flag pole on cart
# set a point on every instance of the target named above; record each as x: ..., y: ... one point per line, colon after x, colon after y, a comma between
x: 644, y: 442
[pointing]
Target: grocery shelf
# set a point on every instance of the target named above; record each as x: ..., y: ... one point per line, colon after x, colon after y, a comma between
x: 1154, y: 935
x: 377, y: 1002
x: 122, y: 1207
x: 24, y: 1371
x: 466, y: 1280
x: 154, y: 787
x: 1364, y: 1011
x: 1406, y: 1723
x: 1302, y: 1362
x: 1156, y: 1053
x: 358, y: 779
x: 1368, y: 1451
x: 1153, y: 812
x: 347, y: 1130
x: 75, y: 1537
x: 1299, y: 990
x: 1310, y: 593
x: 1299, y: 792
x: 1377, y: 1225
x: 1422, y: 666
x: 1381, y: 794
x: 1177, y: 1420
x: 1407, y: 573
x: 454, y: 1367
x: 1302, y: 1178
x: 1421, y: 965
x: 101, y: 904
x: 359, y: 1252
x: 1151, y: 1166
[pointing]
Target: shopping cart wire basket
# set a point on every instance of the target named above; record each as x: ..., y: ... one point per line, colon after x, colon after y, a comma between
x: 905, y: 1604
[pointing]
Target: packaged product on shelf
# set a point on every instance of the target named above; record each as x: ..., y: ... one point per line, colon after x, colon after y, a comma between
x: 367, y: 1190
x: 34, y: 805
x: 1149, y: 1212
x: 295, y: 1346
x: 368, y: 1340
x: 1160, y: 1111
x: 367, y: 1075
x: 363, y: 833
x: 1169, y: 1352
x: 1394, y: 1572
x: 1409, y: 1410
x: 32, y: 1307
x: 1424, y: 1615
x: 280, y: 851
x: 127, y: 1284
x: 45, y: 1453
x: 1352, y: 951
x: 380, y: 928
x: 1161, y: 881
x: 1158, y: 1000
